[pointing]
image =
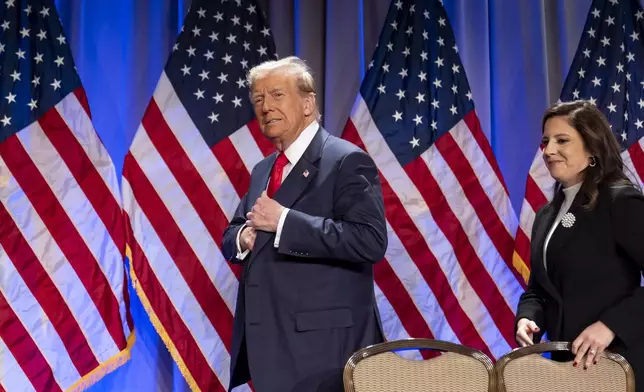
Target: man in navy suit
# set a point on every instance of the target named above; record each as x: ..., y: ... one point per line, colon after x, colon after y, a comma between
x: 307, y: 232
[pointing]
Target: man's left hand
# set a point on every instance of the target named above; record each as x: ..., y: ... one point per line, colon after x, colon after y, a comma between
x: 265, y: 214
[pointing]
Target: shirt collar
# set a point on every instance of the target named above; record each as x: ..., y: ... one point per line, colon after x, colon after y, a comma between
x: 299, y: 146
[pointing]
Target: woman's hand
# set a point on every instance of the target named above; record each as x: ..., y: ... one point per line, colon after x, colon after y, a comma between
x: 525, y: 332
x: 593, y: 340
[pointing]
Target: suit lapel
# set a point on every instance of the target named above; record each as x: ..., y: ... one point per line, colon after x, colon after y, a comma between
x: 297, y: 181
x: 562, y: 234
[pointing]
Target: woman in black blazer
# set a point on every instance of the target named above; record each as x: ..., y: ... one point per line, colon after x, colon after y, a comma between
x: 587, y: 250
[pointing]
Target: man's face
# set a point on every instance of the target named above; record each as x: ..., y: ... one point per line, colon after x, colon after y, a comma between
x: 280, y: 108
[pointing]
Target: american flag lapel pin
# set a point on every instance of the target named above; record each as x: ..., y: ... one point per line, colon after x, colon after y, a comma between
x: 306, y: 173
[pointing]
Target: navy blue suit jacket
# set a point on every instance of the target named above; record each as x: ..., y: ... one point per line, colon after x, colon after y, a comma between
x: 305, y: 307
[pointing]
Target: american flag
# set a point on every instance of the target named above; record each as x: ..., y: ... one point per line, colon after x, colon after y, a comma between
x: 448, y: 272
x: 64, y: 321
x: 186, y: 171
x: 608, y: 70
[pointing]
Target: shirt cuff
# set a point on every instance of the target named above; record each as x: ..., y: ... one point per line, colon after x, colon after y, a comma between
x: 280, y: 226
x: 241, y: 255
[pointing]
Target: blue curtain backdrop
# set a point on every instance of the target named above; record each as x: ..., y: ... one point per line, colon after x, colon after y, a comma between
x: 516, y: 55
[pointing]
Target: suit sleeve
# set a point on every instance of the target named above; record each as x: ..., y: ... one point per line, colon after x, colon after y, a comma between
x: 532, y: 301
x: 229, y: 243
x: 626, y: 318
x: 531, y: 306
x: 358, y: 231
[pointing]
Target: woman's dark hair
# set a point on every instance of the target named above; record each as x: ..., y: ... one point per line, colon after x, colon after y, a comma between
x: 599, y: 141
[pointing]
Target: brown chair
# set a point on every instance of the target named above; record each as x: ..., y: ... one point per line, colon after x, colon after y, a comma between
x: 526, y: 370
x: 457, y: 369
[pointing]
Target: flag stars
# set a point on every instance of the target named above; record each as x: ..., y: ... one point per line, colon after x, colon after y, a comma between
x: 248, y: 27
x: 61, y: 39
x: 223, y: 77
x: 591, y: 32
x: 410, y: 31
x: 397, y: 116
x: 440, y: 41
x: 24, y: 32
x: 236, y: 101
x: 44, y: 12
x: 601, y: 61
x: 235, y: 20
x: 400, y: 94
x: 615, y: 87
x: 575, y: 94
x: 202, y: 13
x: 262, y: 51
x: 246, y: 46
x: 185, y: 70
x: 454, y: 89
x: 635, y: 36
x: 42, y: 35
x: 251, y: 9
x: 455, y: 69
x: 191, y: 51
x: 204, y: 75
x: 630, y: 57
x: 437, y: 83
x: 469, y: 95
x: 414, y: 142
x: 33, y: 104
x: 213, y: 117
x: 420, y: 97
x: 6, y: 121
x: 453, y: 110
x: 381, y: 89
x: 266, y: 31
x: 586, y: 53
x: 423, y: 55
x: 15, y: 75
x: 441, y: 21
x: 219, y: 98
x: 425, y: 35
x: 199, y: 94
x: 5, y: 26
x: 214, y: 37
x: 610, y: 20
x: 390, y: 46
x: 394, y: 25
x: 422, y: 76
x: 403, y: 73
x: 581, y: 73
x: 11, y: 98
x: 36, y: 81
x: 439, y: 62
x: 641, y: 103
x: 426, y: 14
x: 232, y: 39
x: 209, y: 55
x: 59, y: 61
x: 612, y: 108
x: 218, y: 16
x: 597, y: 82
x: 596, y: 13
x: 418, y: 120
x: 385, y: 67
x: 227, y: 59
x: 55, y: 84
x: 606, y: 41
x: 406, y: 52
x: 639, y: 124
x: 435, y: 104
x: 241, y: 83
x: 21, y: 54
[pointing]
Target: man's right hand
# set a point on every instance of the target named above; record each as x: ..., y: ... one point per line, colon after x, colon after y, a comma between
x: 525, y: 332
x: 247, y: 238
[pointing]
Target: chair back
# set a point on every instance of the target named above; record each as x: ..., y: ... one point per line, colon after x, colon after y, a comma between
x: 526, y: 370
x: 458, y: 368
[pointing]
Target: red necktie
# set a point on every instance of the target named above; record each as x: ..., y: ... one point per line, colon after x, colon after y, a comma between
x: 276, y: 174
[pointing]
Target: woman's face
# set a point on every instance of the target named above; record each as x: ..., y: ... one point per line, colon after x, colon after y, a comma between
x: 564, y: 151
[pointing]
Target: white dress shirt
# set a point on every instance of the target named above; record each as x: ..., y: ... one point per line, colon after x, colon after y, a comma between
x: 293, y: 153
x: 569, y: 194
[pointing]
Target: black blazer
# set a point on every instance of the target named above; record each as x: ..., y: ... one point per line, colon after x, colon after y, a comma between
x: 306, y: 306
x: 594, y: 272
